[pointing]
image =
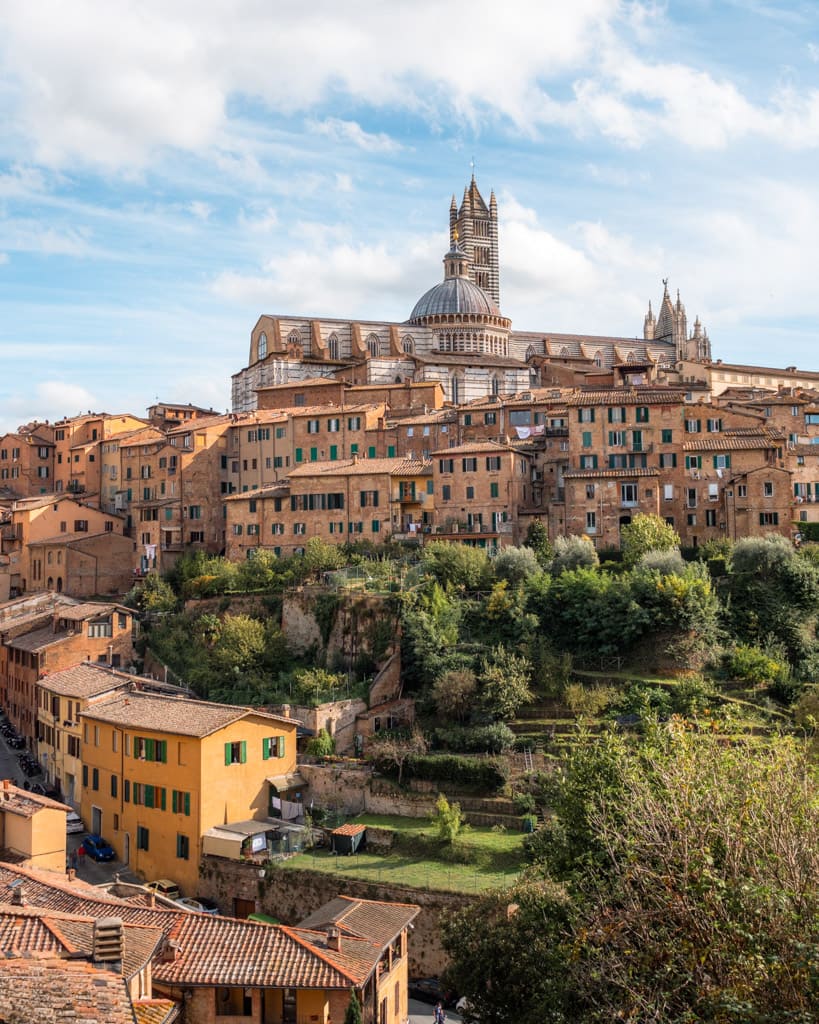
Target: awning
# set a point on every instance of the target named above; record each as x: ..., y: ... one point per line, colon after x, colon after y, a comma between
x: 293, y: 780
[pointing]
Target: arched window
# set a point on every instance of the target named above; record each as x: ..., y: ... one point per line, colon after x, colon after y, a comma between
x: 332, y: 346
x: 530, y: 353
x: 373, y: 345
x: 455, y: 390
x: 598, y: 358
x: 294, y: 338
x: 564, y: 352
x: 631, y: 358
x: 408, y: 344
x: 262, y: 349
x: 495, y: 385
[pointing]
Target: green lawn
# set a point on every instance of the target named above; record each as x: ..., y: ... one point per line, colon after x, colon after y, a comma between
x: 399, y: 869
x: 498, y: 854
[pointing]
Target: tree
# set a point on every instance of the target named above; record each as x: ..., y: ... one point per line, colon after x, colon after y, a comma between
x: 537, y: 538
x: 504, y: 683
x: 457, y: 564
x: 573, y: 553
x: 240, y: 644
x: 510, y: 950
x: 319, y: 556
x: 646, y: 533
x: 152, y: 595
x: 448, y: 820
x: 706, y: 904
x: 352, y: 1015
x: 453, y: 693
x: 390, y: 750
x: 321, y: 745
x: 516, y: 564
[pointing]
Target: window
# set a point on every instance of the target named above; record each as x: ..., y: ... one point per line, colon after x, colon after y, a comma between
x: 146, y: 749
x: 490, y: 418
x: 334, y: 425
x: 470, y: 494
x: 691, y: 519
x: 113, y: 786
x: 617, y: 415
x: 668, y: 460
x: 142, y: 837
x: 617, y: 439
x: 667, y: 436
x: 591, y: 522
x: 693, y: 426
x: 183, y: 847
x: 493, y: 490
x: 767, y: 489
x: 493, y: 463
x: 469, y: 465
x: 722, y: 462
x: 691, y: 497
x: 313, y: 426
x: 693, y: 462
x: 588, y: 462
x: 236, y: 753
x: 80, y: 526
x: 769, y: 519
x: 468, y: 419
x: 446, y: 492
x: 95, y: 778
x: 585, y: 415
x: 194, y: 512
x: 742, y: 491
x: 447, y: 465
x: 713, y: 492
x: 642, y: 414
x: 587, y: 438
x: 180, y: 802
x: 299, y: 455
x: 668, y: 492
x: 711, y: 517
x: 628, y: 494
x: 272, y: 746
x: 589, y: 491
x: 713, y: 426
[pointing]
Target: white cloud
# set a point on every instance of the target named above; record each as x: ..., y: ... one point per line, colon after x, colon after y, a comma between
x: 50, y: 399
x: 344, y: 182
x: 200, y: 210
x: 4, y: 258
x: 350, y: 131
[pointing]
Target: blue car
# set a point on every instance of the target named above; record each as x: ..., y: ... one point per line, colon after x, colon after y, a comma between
x: 97, y: 848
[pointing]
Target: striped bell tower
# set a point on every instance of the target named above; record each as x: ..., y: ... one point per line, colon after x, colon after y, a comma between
x: 475, y: 226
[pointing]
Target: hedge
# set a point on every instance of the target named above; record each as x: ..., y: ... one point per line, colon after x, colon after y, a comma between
x: 486, y: 774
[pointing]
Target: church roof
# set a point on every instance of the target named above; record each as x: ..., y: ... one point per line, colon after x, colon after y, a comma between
x: 454, y: 295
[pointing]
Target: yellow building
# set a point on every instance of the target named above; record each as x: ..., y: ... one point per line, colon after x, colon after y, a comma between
x: 32, y: 828
x: 159, y: 771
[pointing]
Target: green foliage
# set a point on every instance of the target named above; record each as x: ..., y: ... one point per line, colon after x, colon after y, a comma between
x: 754, y: 666
x: 392, y: 750
x: 321, y: 745
x: 589, y: 701
x: 475, y: 739
x: 509, y: 952
x: 551, y: 668
x: 453, y: 693
x: 537, y: 538
x: 486, y: 775
x: 573, y: 553
x: 319, y: 556
x: 447, y: 820
x: 762, y: 555
x: 667, y: 562
x: 646, y: 533
x: 314, y: 686
x: 153, y: 594
x: 325, y: 610
x: 352, y: 1015
x: 458, y: 565
x: 514, y: 565
x: 503, y: 681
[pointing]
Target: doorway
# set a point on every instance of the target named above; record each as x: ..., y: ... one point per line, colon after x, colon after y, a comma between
x: 96, y: 821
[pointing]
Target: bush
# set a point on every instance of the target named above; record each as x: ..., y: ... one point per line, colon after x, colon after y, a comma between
x: 667, y: 563
x: 488, y: 774
x: 573, y: 553
x: 516, y: 564
x: 755, y: 666
x: 589, y: 700
x: 321, y: 745
x: 475, y: 739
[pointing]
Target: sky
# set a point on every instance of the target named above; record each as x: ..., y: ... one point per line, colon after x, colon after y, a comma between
x: 170, y: 170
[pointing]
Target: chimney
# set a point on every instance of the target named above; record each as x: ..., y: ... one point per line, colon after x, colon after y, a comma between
x: 108, y: 943
x: 18, y: 897
x: 170, y: 951
x: 334, y: 939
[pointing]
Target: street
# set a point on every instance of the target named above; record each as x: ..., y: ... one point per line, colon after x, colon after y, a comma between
x: 421, y: 1013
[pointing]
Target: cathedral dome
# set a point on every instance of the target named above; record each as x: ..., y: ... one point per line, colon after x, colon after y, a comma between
x: 456, y: 294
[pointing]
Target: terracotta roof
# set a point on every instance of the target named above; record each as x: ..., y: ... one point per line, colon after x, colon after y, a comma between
x: 433, y: 416
x: 24, y: 803
x: 50, y: 990
x: 791, y: 371
x: 349, y: 830
x: 468, y: 359
x: 89, y: 609
x: 155, y: 1011
x: 224, y: 951
x: 281, y: 488
x: 201, y: 423
x: 474, y: 447
x: 628, y: 396
x: 145, y: 435
x: 722, y: 443
x: 177, y: 715
x: 372, y: 919
x: 39, y: 639
x: 308, y: 382
x: 363, y: 467
x: 86, y: 680
x: 591, y: 474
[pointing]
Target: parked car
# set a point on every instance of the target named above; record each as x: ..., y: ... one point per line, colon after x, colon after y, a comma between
x: 165, y: 887
x: 98, y: 849
x: 73, y: 823
x: 199, y: 903
x: 430, y: 990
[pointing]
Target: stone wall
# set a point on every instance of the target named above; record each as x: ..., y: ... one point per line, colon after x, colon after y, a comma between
x: 290, y: 895
x: 355, y: 790
x: 338, y: 718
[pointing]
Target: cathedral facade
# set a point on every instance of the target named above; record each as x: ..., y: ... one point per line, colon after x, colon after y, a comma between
x: 457, y: 335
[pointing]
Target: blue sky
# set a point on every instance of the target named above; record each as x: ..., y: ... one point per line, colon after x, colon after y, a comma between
x: 171, y: 170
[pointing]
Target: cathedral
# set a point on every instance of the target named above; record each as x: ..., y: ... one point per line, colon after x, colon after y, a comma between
x: 458, y: 336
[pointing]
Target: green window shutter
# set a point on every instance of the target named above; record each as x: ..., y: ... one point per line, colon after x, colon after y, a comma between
x: 187, y: 804
x: 265, y: 749
x: 611, y: 436
x: 314, y: 454
x: 85, y: 774
x: 493, y: 490
x: 716, y: 457
x: 371, y: 452
x: 162, y: 797
x: 149, y: 750
x: 594, y: 460
x: 587, y: 439
x: 126, y: 791
x: 333, y: 452
x: 175, y: 801
x: 354, y: 449
x: 149, y: 796
x: 243, y: 752
x: 391, y: 451
x: 727, y: 461
x: 299, y: 457
x: 227, y: 753
x: 580, y: 415
x: 611, y: 415
x: 280, y: 746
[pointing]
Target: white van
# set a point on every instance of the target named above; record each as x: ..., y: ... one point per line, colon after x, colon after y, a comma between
x: 73, y: 823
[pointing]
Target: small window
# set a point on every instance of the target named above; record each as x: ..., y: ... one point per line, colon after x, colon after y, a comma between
x: 236, y: 753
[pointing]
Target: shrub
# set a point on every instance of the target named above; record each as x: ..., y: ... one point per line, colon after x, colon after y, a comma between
x: 322, y: 744
x: 667, y: 563
x: 516, y: 564
x: 484, y: 774
x: 589, y: 700
x: 475, y: 739
x: 447, y: 820
x: 755, y: 666
x: 573, y: 553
